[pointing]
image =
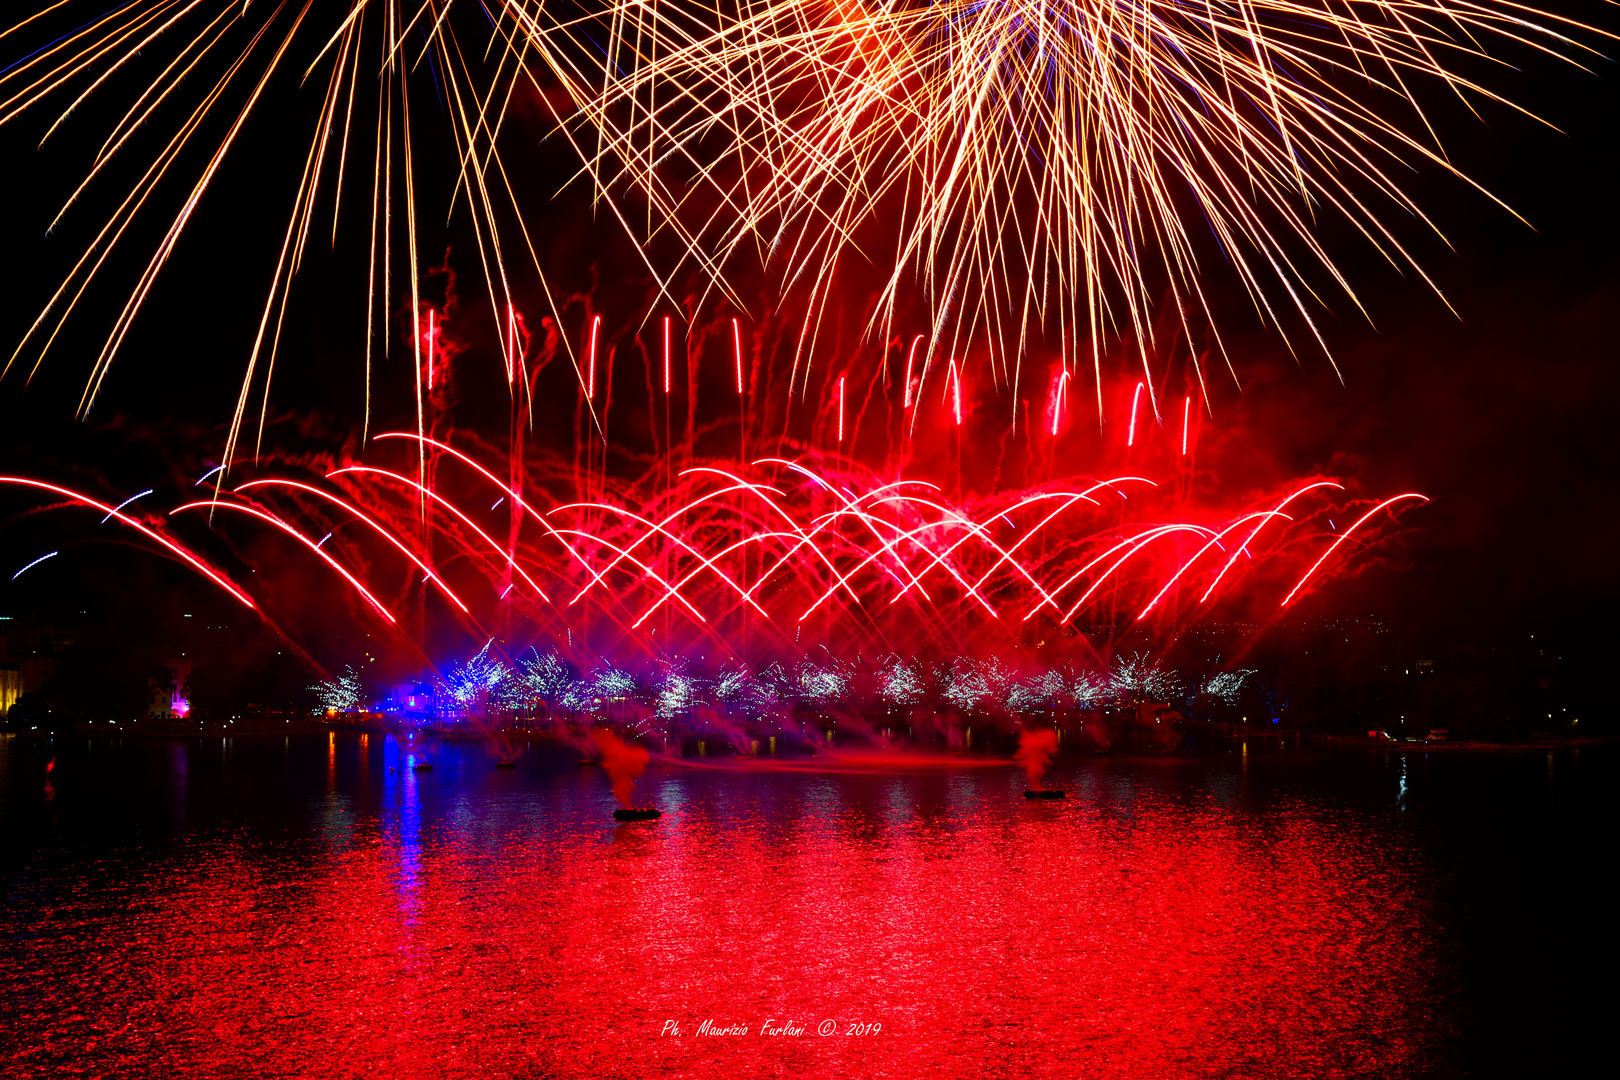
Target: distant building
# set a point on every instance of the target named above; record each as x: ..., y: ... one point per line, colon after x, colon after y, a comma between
x: 411, y: 699
x: 28, y: 656
x: 11, y: 684
x: 171, y: 697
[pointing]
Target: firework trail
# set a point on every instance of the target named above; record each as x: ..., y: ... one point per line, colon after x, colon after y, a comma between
x: 698, y: 673
x: 747, y: 560
x: 112, y: 512
x: 803, y: 547
x: 189, y: 82
x: 1037, y: 164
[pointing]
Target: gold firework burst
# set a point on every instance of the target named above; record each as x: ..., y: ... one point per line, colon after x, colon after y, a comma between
x: 1039, y: 164
x: 341, y: 77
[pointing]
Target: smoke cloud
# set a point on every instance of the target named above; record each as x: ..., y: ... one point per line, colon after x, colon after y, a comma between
x: 624, y: 763
x: 1035, y: 750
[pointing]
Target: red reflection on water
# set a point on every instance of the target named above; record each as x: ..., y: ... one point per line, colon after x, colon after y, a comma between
x: 515, y: 931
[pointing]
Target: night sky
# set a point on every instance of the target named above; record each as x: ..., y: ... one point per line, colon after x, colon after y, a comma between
x: 1502, y: 412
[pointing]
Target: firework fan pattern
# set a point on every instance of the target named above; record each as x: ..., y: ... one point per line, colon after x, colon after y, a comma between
x: 746, y: 559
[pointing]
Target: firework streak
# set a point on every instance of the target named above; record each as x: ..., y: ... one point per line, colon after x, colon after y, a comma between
x: 1036, y: 164
x: 781, y: 554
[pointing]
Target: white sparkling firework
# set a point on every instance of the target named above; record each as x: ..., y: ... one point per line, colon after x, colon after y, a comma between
x: 541, y: 680
x: 341, y: 694
x: 675, y: 695
x: 1225, y: 686
x: 900, y: 684
x: 822, y: 685
x: 472, y: 686
x: 1139, y: 677
x: 1044, y: 691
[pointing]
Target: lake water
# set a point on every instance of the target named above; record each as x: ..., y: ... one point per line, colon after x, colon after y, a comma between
x: 311, y: 907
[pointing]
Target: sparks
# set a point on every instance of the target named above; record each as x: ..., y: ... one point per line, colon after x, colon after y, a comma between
x: 1035, y: 161
x: 427, y: 493
x: 911, y: 355
x: 590, y: 367
x: 180, y: 552
x: 33, y: 564
x: 956, y: 392
x: 272, y: 519
x: 1277, y: 511
x: 348, y: 53
x: 514, y: 355
x: 718, y: 542
x: 125, y: 503
x: 840, y: 408
x: 365, y: 518
x: 1130, y: 435
x: 1345, y: 536
x: 1057, y: 401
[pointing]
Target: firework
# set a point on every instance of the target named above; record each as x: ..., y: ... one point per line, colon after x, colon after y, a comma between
x: 33, y: 563
x: 969, y: 684
x: 671, y: 699
x: 1225, y: 686
x: 1037, y: 163
x: 165, y: 543
x: 722, y: 558
x: 1140, y: 677
x: 779, y: 556
x: 822, y: 686
x: 341, y: 694
x: 899, y: 684
x: 539, y: 684
x: 199, y: 75
x: 473, y: 685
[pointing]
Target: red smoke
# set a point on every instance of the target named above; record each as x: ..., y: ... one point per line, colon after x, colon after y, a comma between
x: 624, y: 763
x: 1035, y: 749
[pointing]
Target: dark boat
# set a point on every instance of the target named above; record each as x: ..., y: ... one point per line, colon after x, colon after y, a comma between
x: 1043, y: 793
x: 637, y: 814
x: 506, y: 764
x: 423, y: 767
x: 589, y: 761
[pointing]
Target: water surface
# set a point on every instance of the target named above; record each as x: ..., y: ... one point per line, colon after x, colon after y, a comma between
x: 311, y: 906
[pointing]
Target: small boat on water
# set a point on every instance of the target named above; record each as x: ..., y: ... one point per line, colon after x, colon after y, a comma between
x: 589, y: 761
x: 422, y: 766
x: 1043, y: 793
x: 637, y: 813
x: 506, y: 764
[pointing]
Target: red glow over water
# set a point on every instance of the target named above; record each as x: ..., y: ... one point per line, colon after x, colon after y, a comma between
x: 270, y: 909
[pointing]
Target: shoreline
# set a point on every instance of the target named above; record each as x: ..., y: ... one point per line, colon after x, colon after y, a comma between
x: 1424, y: 746
x: 306, y: 727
